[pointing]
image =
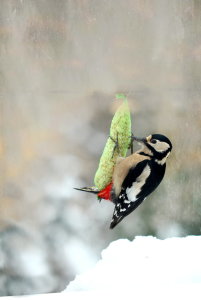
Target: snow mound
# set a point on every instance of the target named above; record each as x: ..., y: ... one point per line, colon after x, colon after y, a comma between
x: 145, y: 262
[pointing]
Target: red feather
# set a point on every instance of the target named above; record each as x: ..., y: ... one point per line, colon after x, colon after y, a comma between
x: 106, y: 193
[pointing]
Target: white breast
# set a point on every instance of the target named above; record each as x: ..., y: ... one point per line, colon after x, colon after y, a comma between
x: 136, y: 187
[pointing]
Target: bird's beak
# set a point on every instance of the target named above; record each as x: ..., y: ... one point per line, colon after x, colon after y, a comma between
x: 140, y: 140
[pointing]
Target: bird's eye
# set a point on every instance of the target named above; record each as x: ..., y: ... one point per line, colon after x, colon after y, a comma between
x: 153, y: 141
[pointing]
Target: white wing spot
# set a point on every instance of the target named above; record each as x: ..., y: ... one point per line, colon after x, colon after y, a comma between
x: 115, y: 213
x: 136, y: 187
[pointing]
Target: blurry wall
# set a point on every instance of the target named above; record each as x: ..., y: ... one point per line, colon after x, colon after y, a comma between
x: 61, y: 63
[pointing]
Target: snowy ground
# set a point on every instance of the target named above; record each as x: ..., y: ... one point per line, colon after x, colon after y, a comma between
x: 140, y: 269
x: 144, y: 262
x: 146, y: 267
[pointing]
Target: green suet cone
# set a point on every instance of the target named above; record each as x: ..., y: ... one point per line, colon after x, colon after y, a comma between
x: 121, y: 127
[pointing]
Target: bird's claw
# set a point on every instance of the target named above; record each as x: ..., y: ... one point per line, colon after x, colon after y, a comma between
x: 131, y: 143
x: 116, y: 145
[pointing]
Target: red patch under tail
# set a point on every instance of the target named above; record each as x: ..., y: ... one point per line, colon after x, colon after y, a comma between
x: 106, y: 193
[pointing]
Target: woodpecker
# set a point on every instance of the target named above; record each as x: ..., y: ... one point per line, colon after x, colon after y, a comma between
x: 136, y: 176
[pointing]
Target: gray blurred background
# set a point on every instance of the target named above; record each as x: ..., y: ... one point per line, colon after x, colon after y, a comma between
x: 61, y: 64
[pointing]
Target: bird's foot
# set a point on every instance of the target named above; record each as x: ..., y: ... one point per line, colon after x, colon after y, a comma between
x: 131, y: 143
x: 116, y: 145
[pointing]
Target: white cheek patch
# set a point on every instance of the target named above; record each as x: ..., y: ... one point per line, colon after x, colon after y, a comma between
x: 136, y: 187
x: 161, y: 146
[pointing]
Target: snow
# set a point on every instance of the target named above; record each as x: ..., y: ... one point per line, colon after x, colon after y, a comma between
x: 145, y: 268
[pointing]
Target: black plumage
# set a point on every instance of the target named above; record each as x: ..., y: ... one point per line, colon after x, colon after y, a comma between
x: 142, y: 178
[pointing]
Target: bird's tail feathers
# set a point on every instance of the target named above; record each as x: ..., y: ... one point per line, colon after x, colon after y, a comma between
x: 86, y: 189
x: 115, y: 221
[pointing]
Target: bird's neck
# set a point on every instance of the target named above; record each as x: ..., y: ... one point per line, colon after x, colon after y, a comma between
x: 159, y: 158
x: 162, y: 160
x: 145, y: 151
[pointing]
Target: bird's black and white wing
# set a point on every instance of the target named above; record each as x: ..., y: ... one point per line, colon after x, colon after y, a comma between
x: 132, y: 193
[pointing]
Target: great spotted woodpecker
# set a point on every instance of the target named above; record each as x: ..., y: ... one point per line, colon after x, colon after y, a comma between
x: 136, y: 176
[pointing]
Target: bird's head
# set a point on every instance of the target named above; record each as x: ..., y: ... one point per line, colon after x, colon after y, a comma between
x: 157, y: 145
